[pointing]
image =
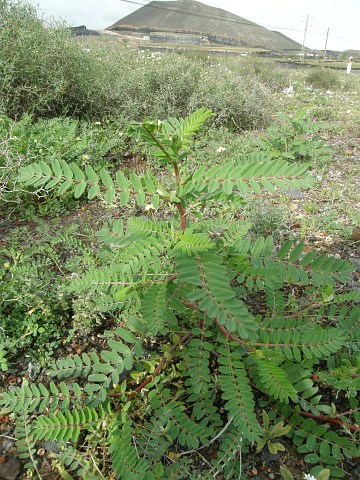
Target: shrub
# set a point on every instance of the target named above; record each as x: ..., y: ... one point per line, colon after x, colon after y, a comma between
x: 266, y: 71
x: 159, y: 83
x: 60, y: 79
x: 191, y: 289
x: 24, y: 141
x: 239, y: 102
x: 324, y: 79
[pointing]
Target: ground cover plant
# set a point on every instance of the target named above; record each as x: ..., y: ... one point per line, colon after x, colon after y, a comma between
x: 169, y: 305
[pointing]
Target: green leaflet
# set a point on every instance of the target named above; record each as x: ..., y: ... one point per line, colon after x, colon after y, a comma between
x: 274, y: 381
x: 65, y: 426
x: 124, y: 458
x: 216, y: 298
x: 237, y: 394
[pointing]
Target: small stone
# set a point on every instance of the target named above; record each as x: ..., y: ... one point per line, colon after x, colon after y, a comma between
x: 7, y: 444
x: 294, y: 193
x: 356, y: 262
x: 50, y: 446
x: 355, y: 236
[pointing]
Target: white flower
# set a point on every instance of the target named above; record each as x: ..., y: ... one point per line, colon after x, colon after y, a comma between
x: 97, y: 123
x: 307, y: 476
x: 149, y: 207
x: 221, y: 149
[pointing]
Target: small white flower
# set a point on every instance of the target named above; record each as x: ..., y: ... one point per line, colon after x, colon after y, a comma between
x: 97, y: 123
x: 307, y: 476
x: 149, y: 207
x: 221, y: 149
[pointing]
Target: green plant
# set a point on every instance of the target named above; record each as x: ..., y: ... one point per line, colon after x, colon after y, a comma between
x: 240, y: 102
x: 270, y: 433
x: 191, y: 353
x: 265, y: 218
x: 294, y: 137
x: 325, y: 79
x: 22, y: 141
x: 36, y: 307
x: 63, y: 77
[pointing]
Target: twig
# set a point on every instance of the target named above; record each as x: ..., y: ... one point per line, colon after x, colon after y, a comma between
x: 334, y: 421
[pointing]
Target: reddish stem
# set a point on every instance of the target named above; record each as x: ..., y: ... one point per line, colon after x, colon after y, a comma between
x: 325, y: 419
x: 233, y: 337
x: 183, y: 341
x: 320, y: 418
x: 182, y: 216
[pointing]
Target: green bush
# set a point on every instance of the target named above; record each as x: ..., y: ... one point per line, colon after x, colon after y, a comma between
x: 45, y: 72
x: 266, y: 72
x: 324, y: 79
x: 239, y: 102
x: 158, y: 83
x: 24, y: 141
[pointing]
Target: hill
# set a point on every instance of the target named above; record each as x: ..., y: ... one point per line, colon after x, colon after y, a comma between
x: 215, y: 25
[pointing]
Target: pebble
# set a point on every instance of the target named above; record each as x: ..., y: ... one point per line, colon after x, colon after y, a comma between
x: 7, y: 444
x: 294, y: 193
x: 50, y: 446
x: 356, y: 262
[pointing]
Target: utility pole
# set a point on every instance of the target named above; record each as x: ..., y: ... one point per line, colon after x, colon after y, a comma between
x: 326, y: 41
x: 302, y: 53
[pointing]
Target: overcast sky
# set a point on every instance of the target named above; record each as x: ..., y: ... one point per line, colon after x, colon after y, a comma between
x: 286, y: 16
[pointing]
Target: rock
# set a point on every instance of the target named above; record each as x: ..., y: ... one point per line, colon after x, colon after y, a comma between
x: 10, y: 469
x: 50, y: 446
x: 356, y: 262
x: 7, y: 444
x: 355, y: 236
x: 294, y: 193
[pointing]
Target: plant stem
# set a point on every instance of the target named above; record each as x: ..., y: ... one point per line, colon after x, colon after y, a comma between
x: 183, y: 341
x: 335, y: 421
x: 182, y: 216
x: 177, y: 173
